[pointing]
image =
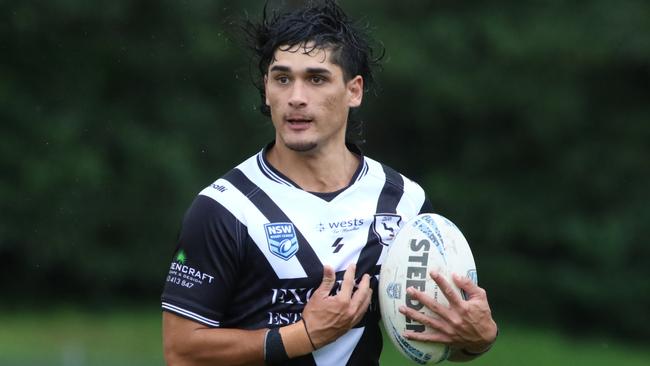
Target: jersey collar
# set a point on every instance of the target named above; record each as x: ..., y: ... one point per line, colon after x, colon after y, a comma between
x: 273, y: 174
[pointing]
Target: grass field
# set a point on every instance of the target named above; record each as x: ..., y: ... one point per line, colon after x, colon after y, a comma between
x: 74, y: 338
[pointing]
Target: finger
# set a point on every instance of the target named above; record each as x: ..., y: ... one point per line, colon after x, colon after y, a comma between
x: 428, y: 337
x: 433, y: 322
x: 329, y: 279
x: 362, y: 293
x: 450, y: 293
x: 348, y: 281
x: 471, y: 289
x: 429, y: 302
x: 363, y: 307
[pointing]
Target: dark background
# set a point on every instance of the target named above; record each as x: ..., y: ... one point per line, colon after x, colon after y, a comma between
x: 528, y: 124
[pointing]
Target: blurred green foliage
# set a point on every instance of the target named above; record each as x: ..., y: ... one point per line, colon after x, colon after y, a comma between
x: 526, y: 122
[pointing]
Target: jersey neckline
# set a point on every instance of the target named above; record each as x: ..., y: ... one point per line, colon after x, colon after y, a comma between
x: 275, y: 175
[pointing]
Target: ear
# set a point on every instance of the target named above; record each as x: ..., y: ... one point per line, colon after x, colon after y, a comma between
x: 355, y: 91
x: 266, y: 92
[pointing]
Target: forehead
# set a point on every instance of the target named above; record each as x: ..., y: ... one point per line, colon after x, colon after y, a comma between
x: 304, y: 56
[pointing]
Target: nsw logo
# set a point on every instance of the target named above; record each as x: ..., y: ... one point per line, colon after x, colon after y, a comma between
x: 282, y: 239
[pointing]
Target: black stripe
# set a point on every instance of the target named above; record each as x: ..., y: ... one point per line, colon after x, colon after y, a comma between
x: 387, y: 202
x: 368, y: 348
x: 392, y: 192
x: 306, y: 255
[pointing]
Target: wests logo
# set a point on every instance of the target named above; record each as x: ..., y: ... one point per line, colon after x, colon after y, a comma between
x: 342, y: 225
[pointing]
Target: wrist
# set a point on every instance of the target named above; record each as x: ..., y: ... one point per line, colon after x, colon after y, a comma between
x: 479, y: 349
x: 274, y: 351
x: 295, y: 339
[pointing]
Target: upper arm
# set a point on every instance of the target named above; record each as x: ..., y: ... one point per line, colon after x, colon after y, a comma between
x: 205, y: 264
x: 176, y: 332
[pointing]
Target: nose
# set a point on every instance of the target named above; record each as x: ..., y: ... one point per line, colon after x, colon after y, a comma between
x: 298, y: 97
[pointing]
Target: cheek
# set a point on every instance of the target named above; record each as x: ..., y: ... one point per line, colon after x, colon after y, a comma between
x: 272, y: 100
x: 332, y: 102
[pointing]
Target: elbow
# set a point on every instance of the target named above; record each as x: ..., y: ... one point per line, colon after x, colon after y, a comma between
x: 174, y: 353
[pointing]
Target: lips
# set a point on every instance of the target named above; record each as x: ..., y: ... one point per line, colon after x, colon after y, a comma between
x: 298, y: 119
x: 298, y: 122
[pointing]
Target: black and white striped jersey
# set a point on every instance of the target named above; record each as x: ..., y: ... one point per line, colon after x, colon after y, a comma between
x: 253, y: 244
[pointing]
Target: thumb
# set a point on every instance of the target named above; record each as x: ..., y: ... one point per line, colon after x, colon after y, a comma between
x: 329, y: 279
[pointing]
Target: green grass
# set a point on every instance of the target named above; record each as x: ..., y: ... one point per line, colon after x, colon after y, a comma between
x: 524, y: 346
x: 76, y: 338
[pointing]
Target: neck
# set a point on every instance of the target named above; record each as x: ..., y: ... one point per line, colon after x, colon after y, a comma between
x: 318, y: 171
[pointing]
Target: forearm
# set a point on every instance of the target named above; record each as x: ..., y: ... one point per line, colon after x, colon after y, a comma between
x: 216, y: 346
x: 187, y: 343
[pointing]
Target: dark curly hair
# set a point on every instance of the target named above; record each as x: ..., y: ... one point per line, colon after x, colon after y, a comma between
x: 323, y: 24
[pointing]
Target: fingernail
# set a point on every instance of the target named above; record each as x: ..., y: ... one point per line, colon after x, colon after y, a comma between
x: 402, y: 309
x: 410, y: 290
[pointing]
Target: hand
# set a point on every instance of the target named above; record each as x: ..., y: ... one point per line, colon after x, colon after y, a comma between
x: 465, y: 324
x: 329, y: 317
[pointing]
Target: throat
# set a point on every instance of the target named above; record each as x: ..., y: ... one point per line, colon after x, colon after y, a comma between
x: 317, y: 174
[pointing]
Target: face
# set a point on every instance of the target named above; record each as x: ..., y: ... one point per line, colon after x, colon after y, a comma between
x: 309, y: 98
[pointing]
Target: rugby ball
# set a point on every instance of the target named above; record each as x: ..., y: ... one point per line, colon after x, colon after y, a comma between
x: 426, y: 242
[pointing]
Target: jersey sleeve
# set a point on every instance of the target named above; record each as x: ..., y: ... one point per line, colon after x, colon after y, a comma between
x: 204, y: 267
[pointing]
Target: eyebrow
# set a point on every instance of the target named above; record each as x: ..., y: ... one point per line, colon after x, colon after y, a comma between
x: 310, y: 70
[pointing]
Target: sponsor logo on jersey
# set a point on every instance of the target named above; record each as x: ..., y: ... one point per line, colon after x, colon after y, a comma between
x: 219, y: 187
x: 182, y: 274
x: 341, y: 226
x: 337, y: 245
x: 386, y: 227
x: 289, y: 296
x: 282, y: 239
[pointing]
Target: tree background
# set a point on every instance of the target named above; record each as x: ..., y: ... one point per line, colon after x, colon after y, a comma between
x: 526, y: 122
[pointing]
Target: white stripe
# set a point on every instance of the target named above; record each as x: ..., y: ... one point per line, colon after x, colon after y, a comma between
x: 412, y: 199
x: 270, y: 172
x: 251, y: 217
x: 190, y: 314
x: 363, y: 172
x: 339, y: 352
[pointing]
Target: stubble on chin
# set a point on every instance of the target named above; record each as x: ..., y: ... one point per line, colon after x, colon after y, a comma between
x: 301, y: 146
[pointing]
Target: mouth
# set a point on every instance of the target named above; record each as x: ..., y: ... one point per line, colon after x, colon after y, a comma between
x: 298, y: 122
x: 298, y: 119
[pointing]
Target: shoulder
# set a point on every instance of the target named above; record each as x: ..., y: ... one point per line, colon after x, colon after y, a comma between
x: 381, y: 171
x: 411, y: 192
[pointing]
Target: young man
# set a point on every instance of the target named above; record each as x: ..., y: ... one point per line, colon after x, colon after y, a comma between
x: 277, y: 260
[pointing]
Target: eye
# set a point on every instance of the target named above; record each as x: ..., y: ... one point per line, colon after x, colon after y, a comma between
x: 317, y: 79
x: 282, y: 79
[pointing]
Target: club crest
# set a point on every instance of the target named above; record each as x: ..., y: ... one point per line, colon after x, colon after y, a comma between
x: 282, y: 239
x: 386, y: 227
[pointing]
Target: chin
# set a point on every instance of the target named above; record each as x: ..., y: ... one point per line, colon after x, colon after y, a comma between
x: 302, y: 146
